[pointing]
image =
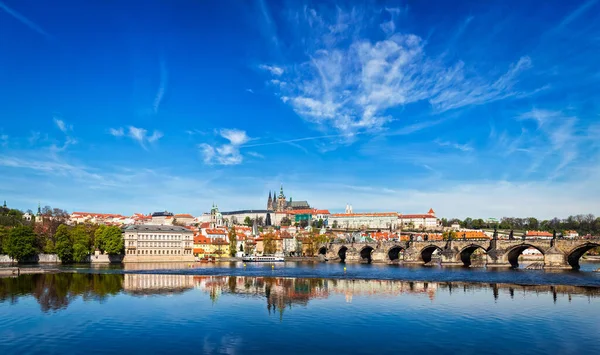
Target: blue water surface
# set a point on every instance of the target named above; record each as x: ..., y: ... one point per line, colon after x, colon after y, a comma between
x: 216, y: 314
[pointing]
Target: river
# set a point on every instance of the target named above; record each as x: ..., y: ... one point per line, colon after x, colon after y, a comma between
x: 299, y: 308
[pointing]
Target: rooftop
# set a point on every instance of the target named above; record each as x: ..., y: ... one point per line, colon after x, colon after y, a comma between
x: 153, y: 228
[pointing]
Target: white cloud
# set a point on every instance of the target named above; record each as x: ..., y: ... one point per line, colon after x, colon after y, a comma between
x: 162, y: 87
x: 458, y: 146
x: 225, y: 154
x: 62, y: 125
x: 275, y: 70
x: 557, y: 140
x: 24, y: 20
x: 349, y: 82
x: 117, y: 132
x: 3, y: 140
x: 139, y: 135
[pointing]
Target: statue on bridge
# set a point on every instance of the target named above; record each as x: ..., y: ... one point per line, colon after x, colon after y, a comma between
x: 464, y: 236
x: 495, y: 236
x: 524, y: 236
x: 511, y: 236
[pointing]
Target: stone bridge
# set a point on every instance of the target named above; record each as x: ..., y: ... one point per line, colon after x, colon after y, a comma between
x: 559, y: 253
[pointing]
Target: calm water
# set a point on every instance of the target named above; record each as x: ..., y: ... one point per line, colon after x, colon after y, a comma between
x: 584, y: 277
x: 167, y: 313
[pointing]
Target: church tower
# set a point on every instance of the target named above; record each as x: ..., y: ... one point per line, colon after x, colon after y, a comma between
x: 269, y: 202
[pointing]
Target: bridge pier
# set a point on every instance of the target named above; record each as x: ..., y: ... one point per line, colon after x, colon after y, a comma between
x: 554, y: 259
x: 412, y: 256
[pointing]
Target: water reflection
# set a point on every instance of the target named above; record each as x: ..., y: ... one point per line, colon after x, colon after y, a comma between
x: 56, y: 291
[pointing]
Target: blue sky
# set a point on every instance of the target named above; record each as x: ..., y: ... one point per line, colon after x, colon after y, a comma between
x: 482, y: 109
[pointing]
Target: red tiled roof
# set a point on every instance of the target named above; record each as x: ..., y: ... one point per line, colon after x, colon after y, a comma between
x: 409, y: 216
x: 184, y: 215
x: 215, y: 231
x: 368, y: 214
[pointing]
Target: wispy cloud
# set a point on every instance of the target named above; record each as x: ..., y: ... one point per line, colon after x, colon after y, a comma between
x: 3, y: 140
x: 350, y: 83
x: 557, y: 137
x: 24, y: 20
x: 273, y: 69
x: 139, y: 135
x: 577, y: 13
x: 250, y: 91
x: 67, y: 130
x: 225, y: 154
x: 256, y: 155
x: 162, y: 87
x: 330, y: 136
x: 117, y: 132
x: 458, y: 146
x: 61, y: 124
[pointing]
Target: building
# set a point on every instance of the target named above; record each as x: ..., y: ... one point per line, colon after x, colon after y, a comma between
x: 419, y: 221
x: 184, y: 218
x: 156, y: 243
x: 216, y: 218
x: 369, y: 220
x: 162, y: 218
x: 278, y: 203
x: 538, y: 235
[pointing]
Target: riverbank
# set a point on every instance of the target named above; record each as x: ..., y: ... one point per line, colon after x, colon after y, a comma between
x: 16, y: 271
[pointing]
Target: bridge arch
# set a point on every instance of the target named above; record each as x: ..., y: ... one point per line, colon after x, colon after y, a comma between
x: 322, y: 250
x: 575, y: 254
x: 427, y: 252
x: 365, y: 253
x: 467, y: 252
x: 512, y: 255
x: 342, y: 253
x: 393, y: 253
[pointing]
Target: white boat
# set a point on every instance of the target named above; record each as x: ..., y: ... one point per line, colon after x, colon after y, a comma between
x: 267, y: 258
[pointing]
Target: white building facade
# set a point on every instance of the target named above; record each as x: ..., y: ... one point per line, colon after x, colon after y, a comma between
x: 158, y: 243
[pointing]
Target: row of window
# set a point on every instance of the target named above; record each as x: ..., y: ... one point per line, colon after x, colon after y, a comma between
x: 159, y: 237
x: 157, y: 252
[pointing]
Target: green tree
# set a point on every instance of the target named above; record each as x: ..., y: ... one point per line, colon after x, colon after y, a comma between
x: 64, y: 244
x: 20, y: 243
x: 232, y: 241
x: 335, y: 224
x: 81, y: 243
x: 269, y: 246
x: 285, y: 221
x: 248, y: 221
x: 3, y: 238
x: 99, y: 237
x: 113, y: 243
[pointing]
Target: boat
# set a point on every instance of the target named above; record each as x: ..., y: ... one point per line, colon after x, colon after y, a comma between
x: 267, y: 258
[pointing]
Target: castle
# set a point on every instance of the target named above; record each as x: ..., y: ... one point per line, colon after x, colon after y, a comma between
x: 279, y: 203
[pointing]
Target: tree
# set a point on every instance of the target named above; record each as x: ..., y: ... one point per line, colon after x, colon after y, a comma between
x: 81, y: 243
x: 269, y: 246
x: 285, y: 221
x: 335, y: 224
x: 20, y: 243
x: 64, y: 244
x: 232, y: 241
x: 99, y: 237
x: 248, y: 221
x: 3, y: 238
x: 113, y: 240
x: 259, y: 221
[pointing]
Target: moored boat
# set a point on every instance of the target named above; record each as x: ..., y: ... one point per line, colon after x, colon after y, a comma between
x: 267, y: 258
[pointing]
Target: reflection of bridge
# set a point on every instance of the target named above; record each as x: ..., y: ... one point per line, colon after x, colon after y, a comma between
x: 559, y: 253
